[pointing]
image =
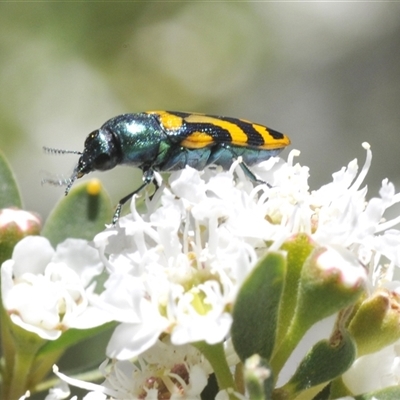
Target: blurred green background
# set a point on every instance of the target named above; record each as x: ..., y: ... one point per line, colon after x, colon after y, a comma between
x: 327, y: 74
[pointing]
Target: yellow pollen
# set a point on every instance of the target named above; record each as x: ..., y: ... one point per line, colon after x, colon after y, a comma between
x: 94, y: 187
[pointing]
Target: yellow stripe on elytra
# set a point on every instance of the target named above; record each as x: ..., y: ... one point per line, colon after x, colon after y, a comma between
x: 197, y: 140
x: 238, y: 136
x: 269, y: 141
x: 168, y: 121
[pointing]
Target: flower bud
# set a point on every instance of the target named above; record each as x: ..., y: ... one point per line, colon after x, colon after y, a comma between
x: 332, y: 278
x: 15, y: 224
x: 376, y: 323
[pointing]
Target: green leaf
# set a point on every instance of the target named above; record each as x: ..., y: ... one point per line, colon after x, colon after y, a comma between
x: 390, y: 393
x: 215, y: 355
x: 19, y: 348
x: 50, y: 353
x: 82, y: 214
x: 322, y: 292
x: 327, y: 360
x: 299, y: 248
x: 255, y: 312
x: 73, y: 336
x: 9, y: 192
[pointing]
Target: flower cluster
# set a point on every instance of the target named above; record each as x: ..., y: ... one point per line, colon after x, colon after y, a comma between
x: 176, y: 269
x: 47, y: 291
x: 163, y: 371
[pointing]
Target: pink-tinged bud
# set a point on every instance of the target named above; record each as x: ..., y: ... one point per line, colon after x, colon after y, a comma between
x: 341, y: 265
x: 332, y: 278
x: 376, y: 323
x: 15, y: 224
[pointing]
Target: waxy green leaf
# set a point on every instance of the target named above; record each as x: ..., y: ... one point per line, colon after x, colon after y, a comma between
x: 82, y: 214
x: 327, y: 360
x: 298, y: 249
x: 9, y: 192
x: 389, y: 393
x: 255, y: 313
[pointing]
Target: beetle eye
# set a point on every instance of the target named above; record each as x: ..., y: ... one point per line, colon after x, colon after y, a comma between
x: 101, y: 161
x: 91, y: 138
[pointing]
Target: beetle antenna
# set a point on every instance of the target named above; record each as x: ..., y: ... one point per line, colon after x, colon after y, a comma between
x: 71, y: 181
x: 61, y: 181
x: 50, y: 150
x: 54, y: 180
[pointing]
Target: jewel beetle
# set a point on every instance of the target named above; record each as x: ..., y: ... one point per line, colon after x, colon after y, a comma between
x: 168, y: 141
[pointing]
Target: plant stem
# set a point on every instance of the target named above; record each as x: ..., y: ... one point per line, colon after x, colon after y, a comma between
x: 289, y: 343
x: 215, y: 355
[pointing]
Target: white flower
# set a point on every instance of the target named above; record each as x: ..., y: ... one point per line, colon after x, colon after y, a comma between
x: 177, y: 268
x: 163, y: 371
x: 47, y: 291
x: 375, y: 371
x: 59, y: 392
x: 344, y: 217
x: 338, y: 213
x: 25, y: 396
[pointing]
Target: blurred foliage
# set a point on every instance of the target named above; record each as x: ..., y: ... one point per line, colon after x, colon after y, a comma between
x: 326, y: 74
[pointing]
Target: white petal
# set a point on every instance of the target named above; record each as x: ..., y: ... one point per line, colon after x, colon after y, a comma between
x: 32, y: 254
x: 130, y: 340
x: 80, y: 257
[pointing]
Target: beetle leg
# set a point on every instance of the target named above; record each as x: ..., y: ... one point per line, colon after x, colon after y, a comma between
x: 148, y: 177
x: 224, y: 154
x: 250, y: 175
